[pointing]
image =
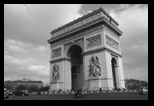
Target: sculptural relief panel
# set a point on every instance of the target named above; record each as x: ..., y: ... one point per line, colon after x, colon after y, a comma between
x: 78, y: 35
x: 94, y: 67
x: 112, y: 43
x: 93, y: 41
x: 56, y: 52
x: 55, y: 73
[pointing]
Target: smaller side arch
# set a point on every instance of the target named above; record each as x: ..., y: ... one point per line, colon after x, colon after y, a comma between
x: 114, y: 61
x: 114, y: 72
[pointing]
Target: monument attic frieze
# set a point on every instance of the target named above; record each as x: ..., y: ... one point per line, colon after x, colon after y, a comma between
x: 83, y: 22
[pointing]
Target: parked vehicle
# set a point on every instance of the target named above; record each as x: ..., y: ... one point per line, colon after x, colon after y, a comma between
x: 6, y: 93
x: 144, y: 90
x: 20, y: 93
x: 10, y: 92
x: 79, y: 94
x: 25, y: 92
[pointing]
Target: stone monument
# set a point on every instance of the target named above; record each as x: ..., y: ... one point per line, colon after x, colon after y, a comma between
x: 86, y: 54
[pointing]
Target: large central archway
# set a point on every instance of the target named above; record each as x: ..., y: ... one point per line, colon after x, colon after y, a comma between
x: 75, y: 54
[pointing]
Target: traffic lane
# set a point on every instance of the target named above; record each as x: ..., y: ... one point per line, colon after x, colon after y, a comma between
x: 94, y: 96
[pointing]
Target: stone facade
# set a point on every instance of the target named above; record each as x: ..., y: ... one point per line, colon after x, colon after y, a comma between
x: 86, y: 54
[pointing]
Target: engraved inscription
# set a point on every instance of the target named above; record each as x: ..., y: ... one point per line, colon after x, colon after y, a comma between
x: 56, y: 52
x: 112, y: 43
x: 93, y: 41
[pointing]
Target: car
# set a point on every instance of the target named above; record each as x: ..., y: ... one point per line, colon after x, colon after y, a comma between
x: 144, y: 90
x: 20, y: 93
x: 25, y: 92
x: 6, y: 93
x: 10, y: 92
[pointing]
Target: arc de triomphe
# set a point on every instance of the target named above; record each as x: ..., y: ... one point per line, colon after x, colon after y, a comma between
x: 86, y: 54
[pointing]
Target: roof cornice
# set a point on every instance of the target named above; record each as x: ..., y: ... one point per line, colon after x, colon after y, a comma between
x: 94, y: 22
x: 84, y: 17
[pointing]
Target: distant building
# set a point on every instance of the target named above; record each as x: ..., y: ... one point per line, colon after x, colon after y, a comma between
x: 28, y: 83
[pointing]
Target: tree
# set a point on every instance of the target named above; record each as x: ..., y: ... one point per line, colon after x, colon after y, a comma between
x: 21, y: 87
x: 33, y: 88
x: 46, y: 88
x: 133, y: 84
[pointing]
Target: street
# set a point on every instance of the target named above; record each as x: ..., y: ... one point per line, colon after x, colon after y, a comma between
x: 93, y: 96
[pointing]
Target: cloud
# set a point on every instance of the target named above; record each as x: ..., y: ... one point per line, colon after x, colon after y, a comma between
x: 18, y: 64
x: 26, y: 32
x: 17, y: 61
x: 36, y: 28
x: 18, y: 68
x: 40, y: 69
x: 15, y: 46
x: 42, y: 48
x: 133, y: 21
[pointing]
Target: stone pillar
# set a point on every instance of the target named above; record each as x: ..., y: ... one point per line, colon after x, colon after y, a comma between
x: 85, y: 74
x: 108, y: 70
x: 121, y: 73
x: 117, y: 76
x: 67, y: 75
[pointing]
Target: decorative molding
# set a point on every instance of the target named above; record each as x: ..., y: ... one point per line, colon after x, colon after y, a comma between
x: 80, y: 42
x: 66, y: 46
x: 75, y: 36
x: 114, y: 28
x: 93, y: 41
x: 76, y: 42
x: 98, y: 78
x: 110, y: 31
x: 56, y: 82
x: 84, y: 19
x: 76, y: 29
x: 101, y: 49
x: 58, y: 60
x: 53, y: 41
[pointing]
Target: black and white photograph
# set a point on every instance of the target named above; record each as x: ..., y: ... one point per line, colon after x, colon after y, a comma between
x: 75, y: 51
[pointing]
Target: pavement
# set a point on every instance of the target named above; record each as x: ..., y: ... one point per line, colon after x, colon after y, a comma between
x: 89, y: 96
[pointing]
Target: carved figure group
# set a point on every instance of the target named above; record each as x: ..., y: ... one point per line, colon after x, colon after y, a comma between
x: 55, y: 73
x: 94, y: 67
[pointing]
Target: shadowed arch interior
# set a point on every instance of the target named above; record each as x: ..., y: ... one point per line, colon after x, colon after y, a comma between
x: 114, y: 65
x: 75, y: 54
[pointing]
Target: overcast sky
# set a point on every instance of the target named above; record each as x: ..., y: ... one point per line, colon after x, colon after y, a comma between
x: 27, y: 29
